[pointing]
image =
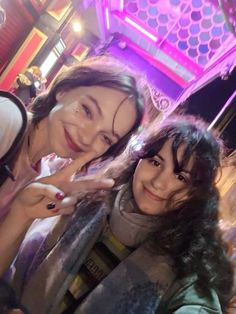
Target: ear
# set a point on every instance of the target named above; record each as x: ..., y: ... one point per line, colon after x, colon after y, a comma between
x: 59, y: 95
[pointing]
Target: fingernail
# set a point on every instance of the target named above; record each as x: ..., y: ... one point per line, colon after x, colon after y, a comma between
x: 59, y: 196
x: 51, y: 205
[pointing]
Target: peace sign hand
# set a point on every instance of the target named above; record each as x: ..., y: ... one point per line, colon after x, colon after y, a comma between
x: 57, y: 194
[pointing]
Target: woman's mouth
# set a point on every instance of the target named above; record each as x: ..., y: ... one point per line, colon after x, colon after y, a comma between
x: 152, y: 195
x: 72, y: 145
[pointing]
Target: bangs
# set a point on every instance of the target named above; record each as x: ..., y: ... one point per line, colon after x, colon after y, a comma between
x: 179, y: 139
x: 198, y: 144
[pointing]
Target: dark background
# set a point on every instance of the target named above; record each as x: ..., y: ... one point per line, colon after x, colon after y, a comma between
x: 208, y: 101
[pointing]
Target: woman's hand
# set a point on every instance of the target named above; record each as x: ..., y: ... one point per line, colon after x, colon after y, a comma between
x: 47, y: 197
x: 57, y: 194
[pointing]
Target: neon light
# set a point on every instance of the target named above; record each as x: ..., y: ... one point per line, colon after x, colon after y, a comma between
x: 107, y: 18
x: 121, y: 5
x: 138, y: 27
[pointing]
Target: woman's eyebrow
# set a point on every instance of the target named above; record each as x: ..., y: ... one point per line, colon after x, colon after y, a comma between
x: 158, y: 155
x: 186, y: 171
x: 183, y: 170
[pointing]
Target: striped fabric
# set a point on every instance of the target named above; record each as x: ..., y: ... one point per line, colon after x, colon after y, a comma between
x: 107, y: 253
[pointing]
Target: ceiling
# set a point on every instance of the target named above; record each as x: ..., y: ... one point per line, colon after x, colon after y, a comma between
x: 180, y: 37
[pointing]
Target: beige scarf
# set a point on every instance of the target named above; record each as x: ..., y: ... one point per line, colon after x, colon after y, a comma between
x: 127, y: 223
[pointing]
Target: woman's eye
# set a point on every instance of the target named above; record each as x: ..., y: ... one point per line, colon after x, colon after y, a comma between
x: 107, y: 140
x: 87, y: 111
x: 181, y: 178
x: 154, y: 162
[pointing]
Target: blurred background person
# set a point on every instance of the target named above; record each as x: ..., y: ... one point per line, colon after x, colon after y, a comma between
x: 26, y: 84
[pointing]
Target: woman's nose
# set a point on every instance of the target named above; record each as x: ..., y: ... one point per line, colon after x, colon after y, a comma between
x: 160, y: 180
x: 89, y: 136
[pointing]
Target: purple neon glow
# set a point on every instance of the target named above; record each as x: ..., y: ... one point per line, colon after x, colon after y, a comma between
x: 140, y: 28
x: 122, y: 5
x: 107, y: 18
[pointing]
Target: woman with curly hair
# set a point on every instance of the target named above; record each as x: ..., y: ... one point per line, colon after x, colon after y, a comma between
x: 151, y: 245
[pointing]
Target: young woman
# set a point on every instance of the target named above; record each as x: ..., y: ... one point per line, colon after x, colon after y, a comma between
x: 152, y: 245
x: 89, y: 112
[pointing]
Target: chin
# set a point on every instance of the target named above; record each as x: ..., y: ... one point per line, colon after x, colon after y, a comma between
x: 144, y: 209
x: 60, y: 152
x: 147, y: 210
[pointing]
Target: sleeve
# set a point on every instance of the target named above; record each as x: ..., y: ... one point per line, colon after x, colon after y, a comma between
x: 11, y: 122
x: 187, y: 299
x: 195, y: 309
x: 29, y: 256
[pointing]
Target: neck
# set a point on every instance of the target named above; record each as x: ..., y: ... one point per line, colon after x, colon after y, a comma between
x: 39, y: 146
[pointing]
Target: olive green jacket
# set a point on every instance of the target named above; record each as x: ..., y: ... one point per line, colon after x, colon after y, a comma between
x: 183, y: 297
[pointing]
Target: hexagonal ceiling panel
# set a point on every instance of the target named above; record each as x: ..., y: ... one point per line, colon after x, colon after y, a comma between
x: 194, y: 27
x: 182, y: 35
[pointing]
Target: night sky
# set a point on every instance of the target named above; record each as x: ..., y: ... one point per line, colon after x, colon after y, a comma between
x: 208, y: 101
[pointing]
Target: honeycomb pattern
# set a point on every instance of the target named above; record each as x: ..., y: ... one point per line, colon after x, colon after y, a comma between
x: 195, y: 27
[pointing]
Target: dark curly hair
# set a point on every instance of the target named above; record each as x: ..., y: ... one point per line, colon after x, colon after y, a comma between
x: 189, y: 232
x: 102, y: 71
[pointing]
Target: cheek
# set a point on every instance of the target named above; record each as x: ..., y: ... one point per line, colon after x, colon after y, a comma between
x: 137, y: 179
x: 55, y: 116
x: 181, y: 196
x: 97, y: 147
x: 125, y: 119
x: 64, y: 111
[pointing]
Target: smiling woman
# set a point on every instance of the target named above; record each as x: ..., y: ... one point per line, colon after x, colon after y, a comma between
x: 84, y: 120
x: 158, y: 177
x: 101, y: 97
x: 90, y: 111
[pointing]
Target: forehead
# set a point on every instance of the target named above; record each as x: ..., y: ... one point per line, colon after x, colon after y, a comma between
x: 105, y: 94
x: 179, y: 154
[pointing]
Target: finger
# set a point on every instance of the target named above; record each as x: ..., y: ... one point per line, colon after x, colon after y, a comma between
x: 56, y: 207
x: 67, y: 210
x: 100, y: 194
x: 76, y: 165
x: 68, y: 201
x: 46, y: 190
x: 84, y: 186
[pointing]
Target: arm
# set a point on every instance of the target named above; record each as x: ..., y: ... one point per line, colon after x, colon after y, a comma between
x: 195, y: 309
x: 12, y: 232
x: 184, y: 297
x: 31, y: 203
x: 10, y: 126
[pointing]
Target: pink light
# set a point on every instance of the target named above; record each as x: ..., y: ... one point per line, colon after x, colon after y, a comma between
x: 107, y: 18
x: 138, y: 27
x: 121, y: 5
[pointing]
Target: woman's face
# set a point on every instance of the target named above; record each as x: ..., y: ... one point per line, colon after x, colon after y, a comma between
x: 154, y: 180
x: 89, y: 119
